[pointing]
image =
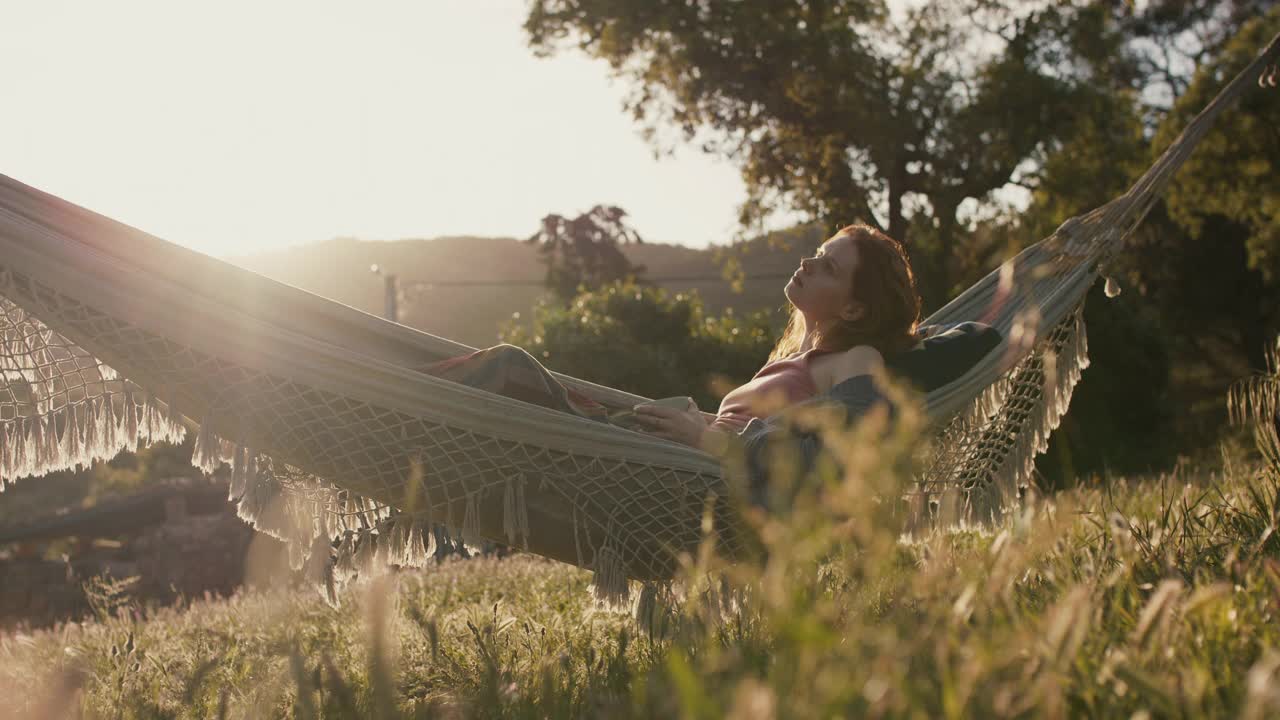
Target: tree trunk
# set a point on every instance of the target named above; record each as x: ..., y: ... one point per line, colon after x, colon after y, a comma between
x: 897, y: 223
x: 933, y: 274
x: 946, y: 244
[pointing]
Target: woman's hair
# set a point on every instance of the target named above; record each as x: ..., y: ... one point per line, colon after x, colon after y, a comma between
x: 885, y: 288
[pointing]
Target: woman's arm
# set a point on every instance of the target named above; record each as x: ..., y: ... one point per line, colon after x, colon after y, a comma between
x: 689, y: 427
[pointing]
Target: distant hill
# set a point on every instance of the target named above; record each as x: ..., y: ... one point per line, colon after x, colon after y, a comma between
x: 339, y: 269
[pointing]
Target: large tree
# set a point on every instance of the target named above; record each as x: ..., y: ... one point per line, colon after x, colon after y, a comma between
x: 842, y: 110
x: 583, y: 253
x: 1227, y: 202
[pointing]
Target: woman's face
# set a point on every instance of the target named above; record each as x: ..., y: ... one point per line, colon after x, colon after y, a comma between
x: 822, y: 287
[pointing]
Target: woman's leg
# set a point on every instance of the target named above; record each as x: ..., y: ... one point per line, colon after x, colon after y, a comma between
x: 510, y: 371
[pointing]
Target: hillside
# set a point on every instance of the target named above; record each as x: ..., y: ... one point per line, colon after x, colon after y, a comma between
x: 339, y: 269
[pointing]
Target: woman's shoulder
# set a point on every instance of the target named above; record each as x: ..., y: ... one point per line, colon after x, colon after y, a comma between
x: 833, y: 368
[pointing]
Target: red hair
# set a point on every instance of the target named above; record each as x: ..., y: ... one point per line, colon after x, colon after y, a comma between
x: 883, y: 286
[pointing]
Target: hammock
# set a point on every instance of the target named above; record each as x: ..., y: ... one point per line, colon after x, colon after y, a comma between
x: 111, y: 338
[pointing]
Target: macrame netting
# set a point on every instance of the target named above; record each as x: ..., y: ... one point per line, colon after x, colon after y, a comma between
x: 111, y: 339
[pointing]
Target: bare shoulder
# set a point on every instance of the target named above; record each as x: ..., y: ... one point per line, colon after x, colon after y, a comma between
x: 831, y: 370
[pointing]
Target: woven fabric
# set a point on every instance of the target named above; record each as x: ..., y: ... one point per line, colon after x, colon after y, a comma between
x: 337, y: 442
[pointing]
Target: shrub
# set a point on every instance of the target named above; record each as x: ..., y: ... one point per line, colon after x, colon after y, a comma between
x: 647, y: 341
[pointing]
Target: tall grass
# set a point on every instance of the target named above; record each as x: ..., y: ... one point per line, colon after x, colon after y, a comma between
x: 1132, y: 597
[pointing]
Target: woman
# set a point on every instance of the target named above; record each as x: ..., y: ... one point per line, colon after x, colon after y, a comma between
x: 853, y: 302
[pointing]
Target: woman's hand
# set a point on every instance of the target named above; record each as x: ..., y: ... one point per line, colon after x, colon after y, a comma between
x: 683, y: 426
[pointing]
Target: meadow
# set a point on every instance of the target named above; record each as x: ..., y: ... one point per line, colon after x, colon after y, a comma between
x: 1153, y: 596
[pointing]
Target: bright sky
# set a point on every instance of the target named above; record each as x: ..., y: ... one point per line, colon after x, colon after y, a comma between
x: 241, y: 125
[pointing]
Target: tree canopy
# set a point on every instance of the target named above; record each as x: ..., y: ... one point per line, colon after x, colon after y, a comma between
x: 842, y: 110
x: 582, y: 252
x: 924, y: 121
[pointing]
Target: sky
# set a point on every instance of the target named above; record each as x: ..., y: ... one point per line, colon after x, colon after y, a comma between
x: 240, y: 126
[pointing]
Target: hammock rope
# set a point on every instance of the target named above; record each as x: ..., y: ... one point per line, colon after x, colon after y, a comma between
x: 111, y: 339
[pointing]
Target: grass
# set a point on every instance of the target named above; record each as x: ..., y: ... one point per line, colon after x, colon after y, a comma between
x: 1139, y: 597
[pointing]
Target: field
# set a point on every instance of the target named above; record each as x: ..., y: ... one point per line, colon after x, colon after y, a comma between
x: 1157, y: 596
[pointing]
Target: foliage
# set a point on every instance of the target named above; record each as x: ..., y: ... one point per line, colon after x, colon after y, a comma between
x: 842, y: 110
x: 1233, y: 173
x: 647, y: 341
x: 583, y: 253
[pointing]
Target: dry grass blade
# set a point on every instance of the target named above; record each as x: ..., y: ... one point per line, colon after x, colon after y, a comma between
x: 1157, y: 613
x: 1256, y: 401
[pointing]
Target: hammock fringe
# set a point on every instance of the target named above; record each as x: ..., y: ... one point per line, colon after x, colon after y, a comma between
x: 987, y: 499
x: 76, y: 435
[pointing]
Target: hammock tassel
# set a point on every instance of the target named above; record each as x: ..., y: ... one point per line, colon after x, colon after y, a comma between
x: 110, y: 431
x: 471, y: 521
x: 171, y: 408
x: 647, y: 607
x: 344, y: 567
x: 609, y: 581
x: 252, y: 507
x: 515, y: 515
x: 319, y: 569
x: 15, y: 450
x: 653, y: 608
x: 205, y: 453
x: 33, y: 449
x: 82, y: 418
x: 145, y: 426
x: 21, y: 449
x: 10, y: 446
x: 67, y: 448
x: 384, y: 546
x: 6, y: 454
x: 414, y: 554
x: 1111, y: 288
x: 365, y: 554
x: 130, y: 421
x: 51, y: 441
x: 93, y: 416
x: 239, y: 474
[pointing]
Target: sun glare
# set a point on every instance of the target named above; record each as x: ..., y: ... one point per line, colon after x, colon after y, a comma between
x: 240, y: 127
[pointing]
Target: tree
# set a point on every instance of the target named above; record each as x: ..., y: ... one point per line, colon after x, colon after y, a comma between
x: 835, y: 108
x: 1227, y: 199
x: 583, y: 252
